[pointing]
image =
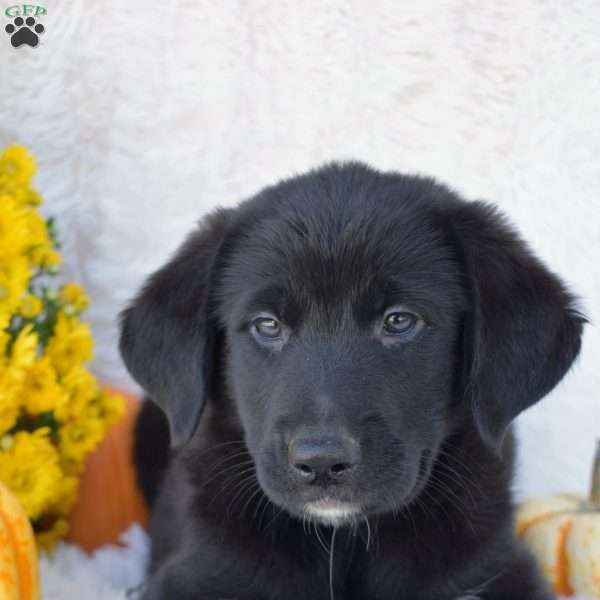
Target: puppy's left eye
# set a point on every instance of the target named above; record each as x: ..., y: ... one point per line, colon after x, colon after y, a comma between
x: 400, y: 323
x: 267, y: 328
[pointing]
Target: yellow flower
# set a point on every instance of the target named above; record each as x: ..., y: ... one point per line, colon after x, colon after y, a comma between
x: 73, y: 295
x: 44, y: 257
x: 9, y: 408
x: 33, y: 197
x: 42, y: 467
x: 41, y: 250
x: 31, y: 306
x: 68, y: 495
x: 24, y: 349
x: 80, y: 390
x: 41, y: 391
x: 16, y: 168
x: 37, y: 230
x: 4, y: 323
x: 79, y: 438
x: 71, y: 344
x: 30, y: 468
x: 113, y: 407
x: 14, y: 278
x: 4, y: 339
x: 12, y: 375
x: 47, y: 538
x: 53, y: 524
x: 13, y: 228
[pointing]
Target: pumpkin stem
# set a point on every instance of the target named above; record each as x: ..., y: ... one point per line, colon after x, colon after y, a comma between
x: 595, y: 489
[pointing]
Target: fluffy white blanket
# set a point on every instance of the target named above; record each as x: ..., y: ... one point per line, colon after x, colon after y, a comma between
x: 144, y: 115
x: 71, y: 574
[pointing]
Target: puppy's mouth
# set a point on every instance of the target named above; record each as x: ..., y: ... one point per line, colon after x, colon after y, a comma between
x: 331, y: 512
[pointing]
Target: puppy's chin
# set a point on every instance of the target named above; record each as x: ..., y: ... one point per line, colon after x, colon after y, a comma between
x: 332, y: 512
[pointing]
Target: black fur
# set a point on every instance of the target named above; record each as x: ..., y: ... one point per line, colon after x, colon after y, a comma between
x: 151, y: 450
x: 267, y: 342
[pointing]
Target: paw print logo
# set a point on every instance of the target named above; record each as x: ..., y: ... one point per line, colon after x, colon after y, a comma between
x: 24, y: 32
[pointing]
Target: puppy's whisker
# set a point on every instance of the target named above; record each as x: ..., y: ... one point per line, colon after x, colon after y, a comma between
x: 318, y: 536
x: 431, y: 515
x: 331, y: 549
x: 408, y: 514
x: 204, y: 451
x: 268, y: 504
x: 455, y: 478
x: 234, y: 485
x: 231, y: 480
x: 240, y: 490
x: 245, y: 475
x: 469, y: 477
x: 258, y: 507
x: 220, y: 445
x: 226, y: 459
x: 442, y: 477
x: 273, y: 519
x: 225, y: 471
x: 250, y: 488
x: 304, y: 523
x: 257, y: 491
x: 366, y: 520
x: 464, y: 481
x: 456, y: 503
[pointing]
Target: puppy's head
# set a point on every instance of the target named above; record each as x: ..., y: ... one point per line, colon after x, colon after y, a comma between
x: 354, y: 320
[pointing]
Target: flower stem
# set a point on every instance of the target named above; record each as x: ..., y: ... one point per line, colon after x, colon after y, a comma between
x: 595, y: 488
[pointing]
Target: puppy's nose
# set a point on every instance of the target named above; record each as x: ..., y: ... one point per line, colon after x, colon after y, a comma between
x: 324, y: 456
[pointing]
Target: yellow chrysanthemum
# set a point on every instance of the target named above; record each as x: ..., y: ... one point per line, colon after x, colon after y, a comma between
x: 30, y: 468
x: 71, y: 344
x: 113, y: 407
x: 4, y: 322
x: 24, y: 349
x: 37, y: 230
x: 47, y: 538
x: 41, y: 390
x: 81, y: 389
x: 33, y: 198
x: 12, y: 374
x: 42, y: 467
x: 44, y: 257
x: 14, y: 278
x: 68, y: 495
x: 54, y: 525
x: 16, y: 168
x: 74, y: 296
x: 14, y: 238
x: 31, y: 306
x: 79, y: 438
x: 9, y: 408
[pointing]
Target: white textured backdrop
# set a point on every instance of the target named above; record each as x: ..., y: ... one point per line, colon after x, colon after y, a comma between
x: 144, y: 115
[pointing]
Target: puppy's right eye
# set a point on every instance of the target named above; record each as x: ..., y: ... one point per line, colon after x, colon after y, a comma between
x: 267, y: 328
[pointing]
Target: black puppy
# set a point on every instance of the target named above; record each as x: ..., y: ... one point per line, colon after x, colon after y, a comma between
x: 339, y: 360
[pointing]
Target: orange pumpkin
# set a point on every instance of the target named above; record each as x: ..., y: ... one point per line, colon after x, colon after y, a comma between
x: 19, y: 579
x: 563, y: 532
x: 109, y: 499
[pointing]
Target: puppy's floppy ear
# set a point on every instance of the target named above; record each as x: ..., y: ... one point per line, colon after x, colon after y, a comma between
x: 523, y: 331
x: 166, y: 335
